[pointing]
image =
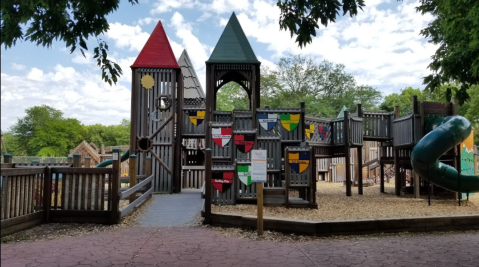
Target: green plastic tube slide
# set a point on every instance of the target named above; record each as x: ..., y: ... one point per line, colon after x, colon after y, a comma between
x: 109, y: 161
x: 445, y: 133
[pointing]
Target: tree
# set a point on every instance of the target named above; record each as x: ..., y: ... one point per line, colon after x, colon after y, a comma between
x: 455, y: 30
x: 35, y: 118
x: 56, y: 138
x: 68, y: 21
x: 324, y: 87
x: 112, y: 135
x: 301, y: 17
x: 232, y: 96
x: 403, y: 100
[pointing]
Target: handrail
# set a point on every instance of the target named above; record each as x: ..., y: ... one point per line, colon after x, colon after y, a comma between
x: 135, y: 188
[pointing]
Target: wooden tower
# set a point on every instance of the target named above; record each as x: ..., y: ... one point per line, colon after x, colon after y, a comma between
x: 156, y: 85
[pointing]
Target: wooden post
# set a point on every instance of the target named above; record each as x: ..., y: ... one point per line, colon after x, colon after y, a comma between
x: 287, y: 173
x: 77, y: 160
x: 47, y: 196
x: 87, y: 162
x: 208, y: 165
x: 7, y: 158
x: 70, y: 159
x: 417, y: 184
x: 397, y: 174
x: 115, y: 184
x: 179, y: 131
x: 132, y: 173
x: 303, y: 110
x: 381, y: 173
x: 259, y: 197
x: 347, y: 153
x: 360, y: 169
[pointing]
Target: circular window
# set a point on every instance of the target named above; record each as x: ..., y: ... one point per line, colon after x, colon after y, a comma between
x: 144, y: 143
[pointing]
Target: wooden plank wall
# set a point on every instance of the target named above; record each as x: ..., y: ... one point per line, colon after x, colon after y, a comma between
x: 378, y: 125
x: 403, y: 131
x: 82, y: 189
x: 149, y: 121
x: 188, y: 127
x: 21, y: 192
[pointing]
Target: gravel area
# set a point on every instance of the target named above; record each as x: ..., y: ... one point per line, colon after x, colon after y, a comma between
x: 333, y: 205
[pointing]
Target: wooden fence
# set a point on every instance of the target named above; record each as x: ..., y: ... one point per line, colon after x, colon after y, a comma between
x: 32, y: 195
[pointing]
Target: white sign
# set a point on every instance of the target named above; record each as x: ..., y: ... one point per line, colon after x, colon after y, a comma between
x: 258, y: 166
x: 115, y: 156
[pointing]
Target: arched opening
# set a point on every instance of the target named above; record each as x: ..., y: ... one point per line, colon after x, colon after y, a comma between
x: 232, y: 96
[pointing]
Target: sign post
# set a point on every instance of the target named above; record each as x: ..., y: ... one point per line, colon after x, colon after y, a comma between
x: 258, y: 176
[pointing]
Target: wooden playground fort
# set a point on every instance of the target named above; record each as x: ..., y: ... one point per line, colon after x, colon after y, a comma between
x: 180, y: 140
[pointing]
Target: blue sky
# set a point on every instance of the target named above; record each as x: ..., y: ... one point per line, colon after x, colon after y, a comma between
x: 381, y: 47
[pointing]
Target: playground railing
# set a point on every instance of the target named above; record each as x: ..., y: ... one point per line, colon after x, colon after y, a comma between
x: 356, y: 131
x: 22, y: 192
x: 403, y: 131
x: 377, y: 126
x: 31, y: 195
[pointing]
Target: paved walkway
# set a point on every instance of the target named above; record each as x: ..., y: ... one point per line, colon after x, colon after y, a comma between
x: 156, y: 243
x: 196, y: 246
x: 173, y: 210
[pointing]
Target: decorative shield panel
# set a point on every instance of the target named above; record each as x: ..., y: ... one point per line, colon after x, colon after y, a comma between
x: 309, y: 130
x: 222, y: 180
x: 267, y: 121
x: 323, y: 131
x: 196, y: 117
x: 244, y: 174
x: 244, y: 142
x: 289, y: 121
x: 299, y: 161
x: 221, y: 136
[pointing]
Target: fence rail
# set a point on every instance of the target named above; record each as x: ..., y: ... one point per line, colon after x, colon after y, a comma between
x: 32, y: 194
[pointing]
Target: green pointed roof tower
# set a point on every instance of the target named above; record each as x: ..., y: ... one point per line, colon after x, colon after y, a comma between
x: 233, y: 46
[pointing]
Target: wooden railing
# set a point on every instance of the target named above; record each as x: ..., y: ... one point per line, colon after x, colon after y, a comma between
x: 377, y: 125
x: 403, y: 131
x: 31, y: 195
x: 22, y: 196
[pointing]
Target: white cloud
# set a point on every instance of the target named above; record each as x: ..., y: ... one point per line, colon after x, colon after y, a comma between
x: 196, y: 50
x: 126, y: 36
x: 16, y: 66
x: 146, y: 21
x: 84, y: 60
x: 79, y: 94
x: 35, y: 74
x: 381, y: 46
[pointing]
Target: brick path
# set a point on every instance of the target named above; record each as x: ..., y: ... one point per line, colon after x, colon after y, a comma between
x: 197, y: 246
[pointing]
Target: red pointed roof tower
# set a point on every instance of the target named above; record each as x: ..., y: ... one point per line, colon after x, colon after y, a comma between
x: 157, y: 52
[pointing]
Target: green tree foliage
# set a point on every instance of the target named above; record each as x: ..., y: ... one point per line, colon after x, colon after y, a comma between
x: 112, y: 135
x: 232, y: 96
x: 25, y: 129
x: 403, y: 100
x: 56, y: 138
x: 45, y: 132
x: 301, y: 17
x: 455, y: 30
x: 69, y: 21
x: 324, y: 87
